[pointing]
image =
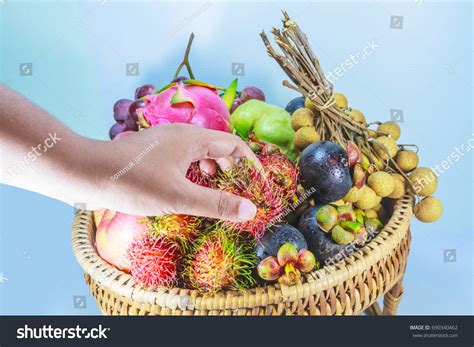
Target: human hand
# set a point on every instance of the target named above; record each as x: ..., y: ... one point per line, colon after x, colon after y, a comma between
x: 156, y: 184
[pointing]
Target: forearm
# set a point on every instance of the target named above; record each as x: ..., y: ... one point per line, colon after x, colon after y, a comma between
x: 41, y: 154
x: 143, y: 173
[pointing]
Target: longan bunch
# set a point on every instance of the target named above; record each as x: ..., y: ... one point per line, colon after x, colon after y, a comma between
x: 333, y: 120
x: 381, y: 180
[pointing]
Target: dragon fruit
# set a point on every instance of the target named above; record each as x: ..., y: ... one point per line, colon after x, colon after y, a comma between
x: 188, y: 101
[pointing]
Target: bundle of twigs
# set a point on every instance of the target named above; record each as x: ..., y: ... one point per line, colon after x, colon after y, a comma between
x: 302, y: 66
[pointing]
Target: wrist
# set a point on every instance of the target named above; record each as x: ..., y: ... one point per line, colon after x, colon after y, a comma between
x: 84, y: 167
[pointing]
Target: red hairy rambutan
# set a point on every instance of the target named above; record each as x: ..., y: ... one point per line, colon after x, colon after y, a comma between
x: 180, y: 228
x: 196, y: 175
x: 245, y: 180
x: 279, y: 168
x: 154, y: 261
x: 221, y: 259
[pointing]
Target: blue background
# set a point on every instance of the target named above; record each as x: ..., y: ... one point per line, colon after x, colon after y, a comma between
x: 79, y: 52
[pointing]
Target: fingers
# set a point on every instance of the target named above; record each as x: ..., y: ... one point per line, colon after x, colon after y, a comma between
x: 218, y: 144
x: 212, y: 203
x: 224, y: 164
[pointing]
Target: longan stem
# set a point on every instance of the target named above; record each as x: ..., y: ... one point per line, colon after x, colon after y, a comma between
x: 403, y: 145
x: 302, y: 67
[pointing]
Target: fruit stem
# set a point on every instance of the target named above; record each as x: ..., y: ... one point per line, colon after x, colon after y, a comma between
x: 185, y: 61
x: 377, y: 122
x: 402, y: 146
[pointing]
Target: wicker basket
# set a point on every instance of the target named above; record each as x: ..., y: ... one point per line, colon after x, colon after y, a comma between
x: 347, y: 288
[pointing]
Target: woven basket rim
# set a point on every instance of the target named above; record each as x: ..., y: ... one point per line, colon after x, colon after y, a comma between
x: 315, y: 282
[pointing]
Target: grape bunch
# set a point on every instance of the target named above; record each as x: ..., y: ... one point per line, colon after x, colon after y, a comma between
x: 125, y: 111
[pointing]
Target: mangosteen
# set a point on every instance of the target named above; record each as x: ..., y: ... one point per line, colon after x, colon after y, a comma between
x: 324, y: 168
x: 295, y: 104
x: 276, y: 237
x: 321, y: 243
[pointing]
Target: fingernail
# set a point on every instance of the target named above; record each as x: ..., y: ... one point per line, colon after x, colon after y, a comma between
x: 226, y: 164
x: 247, y: 210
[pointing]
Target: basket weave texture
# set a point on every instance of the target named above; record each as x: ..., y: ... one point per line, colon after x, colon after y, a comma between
x: 348, y: 287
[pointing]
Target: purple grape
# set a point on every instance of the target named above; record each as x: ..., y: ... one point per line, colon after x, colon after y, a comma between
x: 144, y: 90
x: 121, y: 109
x: 249, y: 93
x: 131, y: 124
x: 116, y: 129
x: 133, y: 108
x: 237, y: 102
x: 180, y: 79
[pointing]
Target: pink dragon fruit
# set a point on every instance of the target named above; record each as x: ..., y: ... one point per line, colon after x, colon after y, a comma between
x: 190, y: 102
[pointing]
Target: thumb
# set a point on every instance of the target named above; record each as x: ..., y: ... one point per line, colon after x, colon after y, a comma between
x: 213, y: 203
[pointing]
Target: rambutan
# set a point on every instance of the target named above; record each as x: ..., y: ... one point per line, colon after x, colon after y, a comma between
x: 245, y: 180
x: 221, y: 259
x: 179, y: 228
x: 197, y: 176
x: 154, y: 261
x: 279, y: 168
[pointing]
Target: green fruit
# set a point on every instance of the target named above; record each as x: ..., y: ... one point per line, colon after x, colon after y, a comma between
x: 302, y: 117
x: 382, y: 183
x: 428, y: 210
x: 360, y: 215
x: 327, y: 217
x: 373, y: 224
x: 269, y: 123
x: 287, y: 254
x: 351, y: 226
x: 345, y: 213
x: 424, y: 181
x: 274, y: 128
x: 341, y: 236
x: 391, y: 129
x: 407, y: 160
